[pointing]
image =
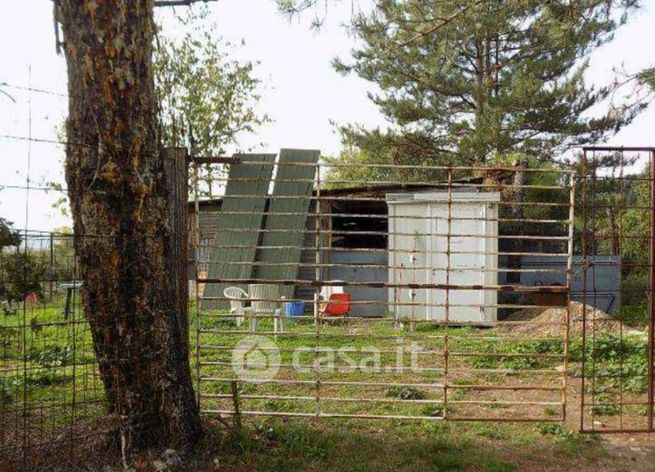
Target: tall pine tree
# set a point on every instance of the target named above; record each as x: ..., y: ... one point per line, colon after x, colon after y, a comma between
x: 463, y: 81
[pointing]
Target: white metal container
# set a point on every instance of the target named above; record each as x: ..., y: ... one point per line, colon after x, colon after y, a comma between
x: 420, y: 233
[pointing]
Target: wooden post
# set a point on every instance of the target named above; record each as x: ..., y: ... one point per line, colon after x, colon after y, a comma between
x: 235, y: 401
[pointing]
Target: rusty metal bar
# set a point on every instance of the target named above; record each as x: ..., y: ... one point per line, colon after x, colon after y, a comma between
x: 619, y: 148
x: 198, y: 160
x: 651, y: 282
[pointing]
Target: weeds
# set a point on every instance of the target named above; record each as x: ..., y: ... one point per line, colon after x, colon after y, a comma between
x: 404, y: 393
x: 569, y: 442
x: 53, y: 356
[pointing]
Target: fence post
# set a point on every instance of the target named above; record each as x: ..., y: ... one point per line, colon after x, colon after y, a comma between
x: 235, y: 401
x: 52, y: 264
x: 651, y: 295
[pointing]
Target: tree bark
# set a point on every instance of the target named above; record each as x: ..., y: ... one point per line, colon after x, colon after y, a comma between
x: 516, y: 212
x: 120, y: 198
x: 612, y: 228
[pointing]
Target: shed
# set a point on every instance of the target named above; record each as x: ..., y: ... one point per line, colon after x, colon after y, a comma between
x: 355, y: 248
x: 446, y: 239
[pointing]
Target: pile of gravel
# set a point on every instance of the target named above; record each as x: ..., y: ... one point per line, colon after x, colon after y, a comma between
x: 551, y: 322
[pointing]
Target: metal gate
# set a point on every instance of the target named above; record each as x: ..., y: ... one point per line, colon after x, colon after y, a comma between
x: 617, y: 227
x: 383, y: 291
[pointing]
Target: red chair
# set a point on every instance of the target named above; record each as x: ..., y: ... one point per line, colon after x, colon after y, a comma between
x: 338, y: 305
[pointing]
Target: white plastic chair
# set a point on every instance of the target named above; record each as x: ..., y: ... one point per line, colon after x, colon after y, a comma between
x: 327, y: 290
x: 264, y: 302
x: 237, y: 297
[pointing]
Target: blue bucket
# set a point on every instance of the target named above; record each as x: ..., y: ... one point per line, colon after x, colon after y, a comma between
x: 294, y: 308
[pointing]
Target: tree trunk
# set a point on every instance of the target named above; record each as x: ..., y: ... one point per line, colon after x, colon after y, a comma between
x: 612, y: 228
x: 121, y: 201
x: 516, y: 213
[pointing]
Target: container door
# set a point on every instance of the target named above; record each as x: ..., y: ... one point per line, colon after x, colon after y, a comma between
x: 466, y: 265
x: 409, y: 241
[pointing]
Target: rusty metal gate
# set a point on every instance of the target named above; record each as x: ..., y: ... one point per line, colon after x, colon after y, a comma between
x: 615, y: 353
x: 327, y: 289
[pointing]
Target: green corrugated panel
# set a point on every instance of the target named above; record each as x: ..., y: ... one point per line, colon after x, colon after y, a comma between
x: 246, y: 194
x: 290, y: 181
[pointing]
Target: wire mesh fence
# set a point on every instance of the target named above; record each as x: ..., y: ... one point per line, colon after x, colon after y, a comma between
x: 50, y: 391
x: 616, y: 352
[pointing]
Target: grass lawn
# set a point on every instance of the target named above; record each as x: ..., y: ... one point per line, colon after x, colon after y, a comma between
x: 49, y: 381
x: 346, y: 445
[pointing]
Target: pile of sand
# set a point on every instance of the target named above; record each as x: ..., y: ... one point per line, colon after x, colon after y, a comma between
x: 551, y: 322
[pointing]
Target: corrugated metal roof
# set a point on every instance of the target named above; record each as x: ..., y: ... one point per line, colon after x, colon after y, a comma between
x: 378, y: 189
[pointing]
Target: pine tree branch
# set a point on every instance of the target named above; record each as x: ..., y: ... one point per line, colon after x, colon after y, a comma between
x: 442, y: 22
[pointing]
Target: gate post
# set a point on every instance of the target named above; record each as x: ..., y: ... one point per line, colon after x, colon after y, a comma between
x: 651, y: 283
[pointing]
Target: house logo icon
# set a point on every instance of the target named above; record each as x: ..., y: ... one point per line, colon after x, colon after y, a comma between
x: 256, y: 359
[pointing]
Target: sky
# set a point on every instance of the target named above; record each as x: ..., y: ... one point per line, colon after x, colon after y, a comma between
x: 301, y: 92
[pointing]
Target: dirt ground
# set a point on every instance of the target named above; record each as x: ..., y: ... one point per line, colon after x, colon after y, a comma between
x: 628, y: 452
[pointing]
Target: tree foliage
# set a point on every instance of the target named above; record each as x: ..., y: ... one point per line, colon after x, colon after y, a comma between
x: 21, y: 273
x: 464, y: 81
x: 635, y: 220
x: 647, y: 77
x: 207, y: 100
x: 205, y: 96
x: 619, y: 219
x: 8, y: 235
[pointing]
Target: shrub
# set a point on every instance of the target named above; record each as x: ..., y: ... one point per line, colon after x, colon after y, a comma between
x: 53, y: 356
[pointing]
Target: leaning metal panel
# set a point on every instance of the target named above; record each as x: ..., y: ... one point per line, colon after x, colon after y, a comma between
x: 279, y: 251
x: 422, y: 292
x: 244, y: 203
x: 615, y: 351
